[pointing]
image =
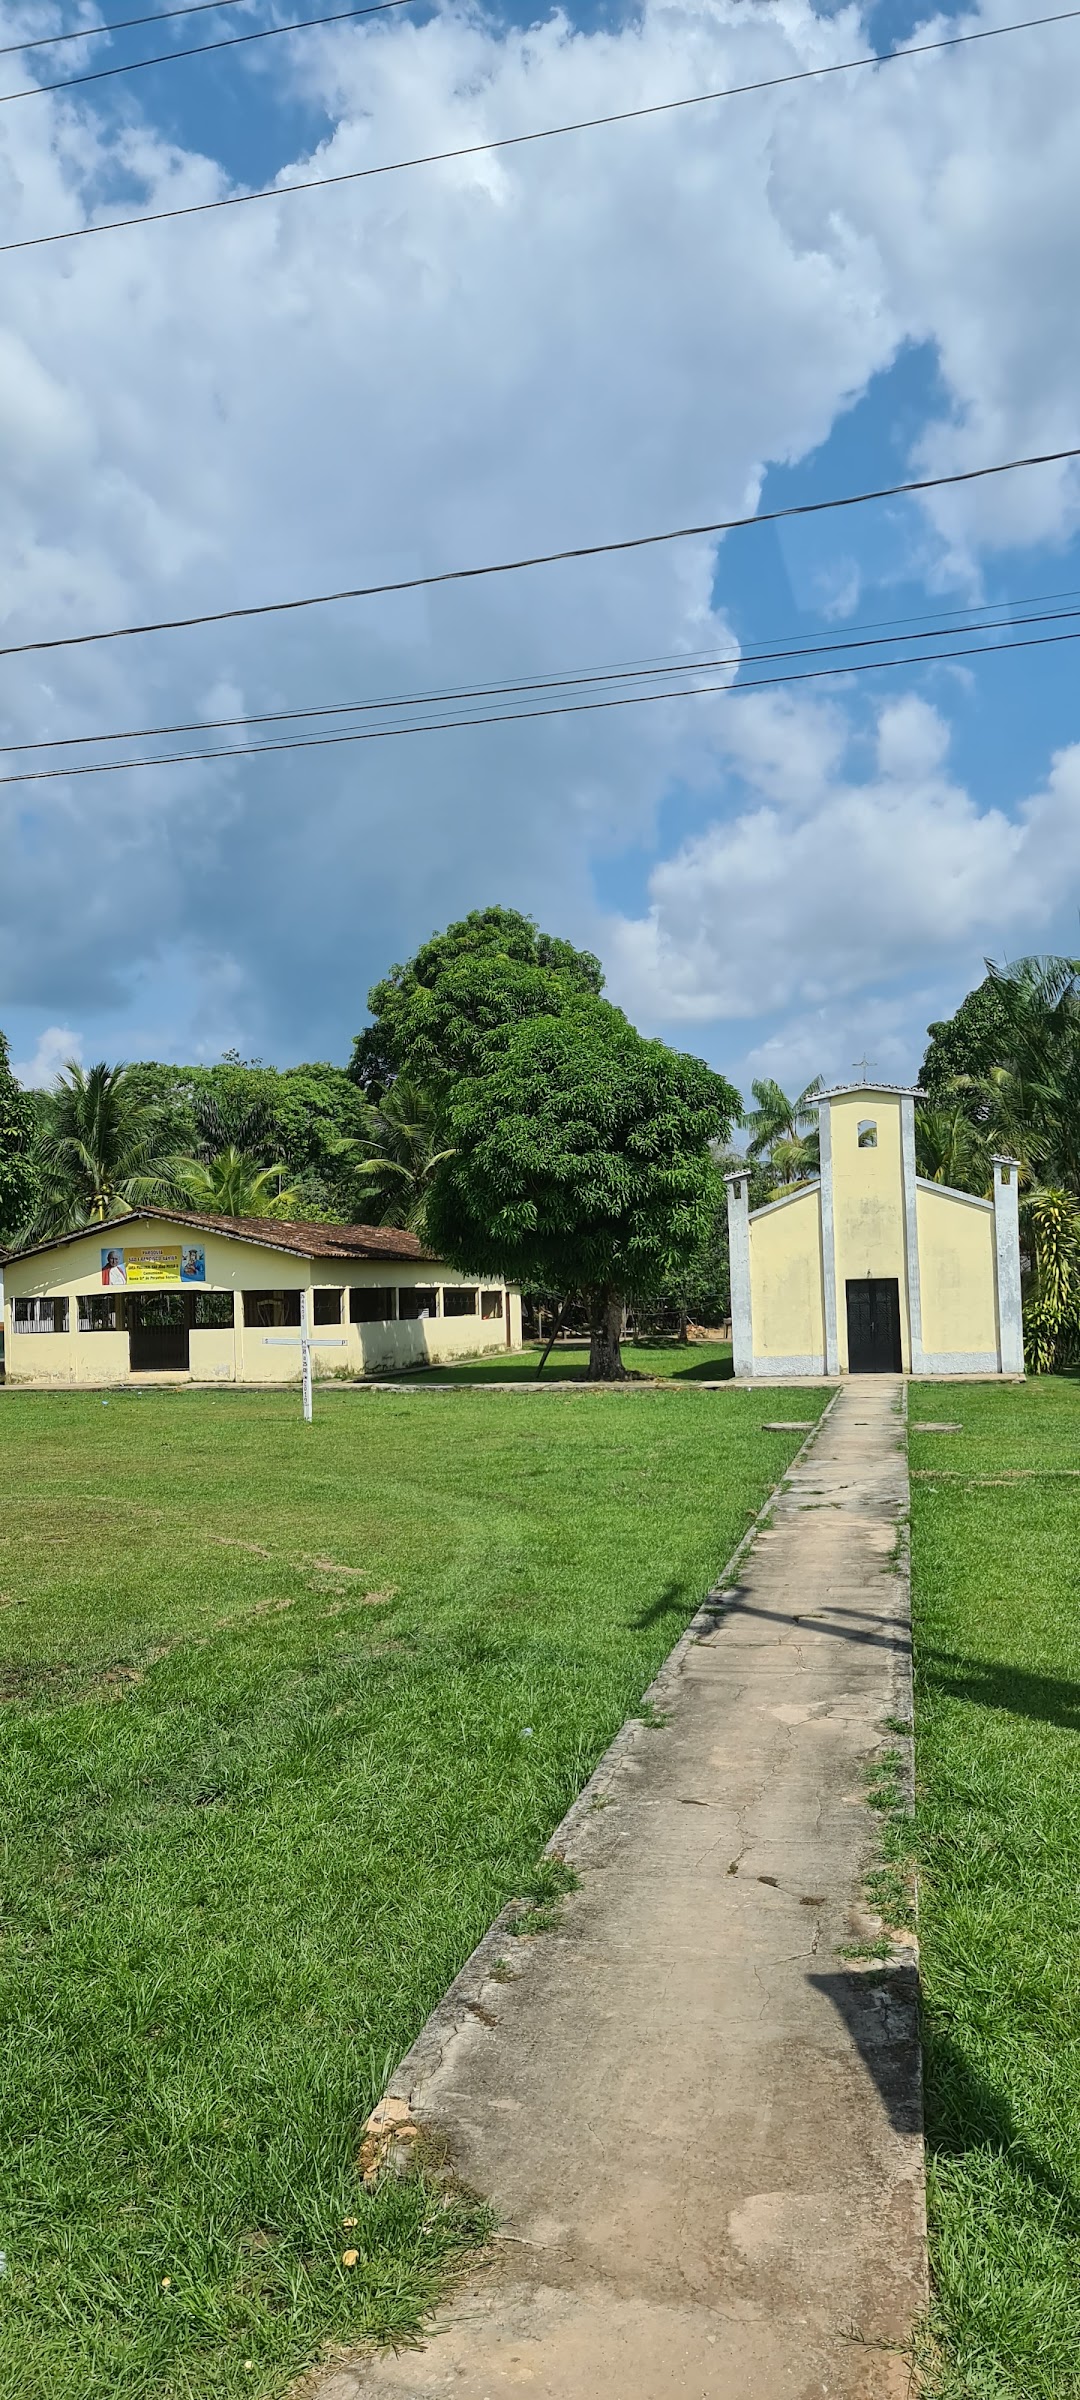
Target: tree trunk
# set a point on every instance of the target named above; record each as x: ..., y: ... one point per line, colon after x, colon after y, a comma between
x: 605, y: 1354
x: 557, y: 1321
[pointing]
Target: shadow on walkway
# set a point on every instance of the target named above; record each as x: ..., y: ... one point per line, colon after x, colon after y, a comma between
x: 879, y: 2007
x: 964, y: 2111
x: 991, y: 1683
x: 735, y: 1603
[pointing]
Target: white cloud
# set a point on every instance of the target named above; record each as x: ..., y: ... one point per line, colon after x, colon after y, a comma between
x: 605, y: 334
x: 784, y: 910
x: 57, y: 1045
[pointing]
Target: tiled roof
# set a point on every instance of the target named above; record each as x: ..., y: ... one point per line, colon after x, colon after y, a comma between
x: 269, y: 1233
x: 840, y: 1091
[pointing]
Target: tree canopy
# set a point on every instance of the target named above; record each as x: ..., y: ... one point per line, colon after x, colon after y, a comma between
x: 784, y: 1133
x: 17, y: 1177
x: 969, y: 1043
x: 100, y: 1146
x: 581, y: 1161
x: 435, y: 1016
x: 1004, y: 1075
x: 393, y: 1183
x: 233, y: 1184
x: 313, y: 1119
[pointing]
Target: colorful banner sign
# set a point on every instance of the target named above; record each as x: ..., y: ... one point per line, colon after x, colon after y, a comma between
x: 120, y: 1267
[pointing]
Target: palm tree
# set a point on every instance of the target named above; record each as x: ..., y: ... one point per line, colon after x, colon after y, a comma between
x: 1028, y: 1105
x: 235, y: 1185
x: 396, y: 1178
x: 950, y: 1149
x: 784, y: 1132
x: 220, y: 1126
x: 99, y: 1149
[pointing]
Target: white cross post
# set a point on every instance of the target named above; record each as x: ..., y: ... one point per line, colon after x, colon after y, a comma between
x: 288, y: 1341
x: 305, y: 1351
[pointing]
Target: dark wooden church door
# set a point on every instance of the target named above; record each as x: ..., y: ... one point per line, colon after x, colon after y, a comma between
x: 873, y: 1325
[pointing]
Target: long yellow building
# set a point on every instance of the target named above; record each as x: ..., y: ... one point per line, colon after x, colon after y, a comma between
x: 164, y: 1295
x: 871, y: 1269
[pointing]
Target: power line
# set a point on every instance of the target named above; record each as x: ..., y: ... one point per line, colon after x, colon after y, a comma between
x: 576, y: 708
x: 632, y: 671
x: 231, y: 41
x: 89, y: 33
x: 547, y: 133
x: 544, y: 558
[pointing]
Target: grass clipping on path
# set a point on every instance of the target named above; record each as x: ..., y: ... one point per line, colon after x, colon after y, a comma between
x: 289, y: 1713
x: 997, y: 1649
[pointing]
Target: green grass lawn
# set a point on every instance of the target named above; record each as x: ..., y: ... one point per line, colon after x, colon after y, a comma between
x: 694, y: 1362
x: 289, y: 1713
x: 996, y: 1558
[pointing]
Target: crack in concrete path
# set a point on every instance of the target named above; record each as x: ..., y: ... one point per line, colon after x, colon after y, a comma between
x: 704, y: 2145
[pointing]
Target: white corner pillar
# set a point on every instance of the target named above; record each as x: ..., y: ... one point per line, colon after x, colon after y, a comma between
x: 742, y: 1321
x: 828, y: 1240
x: 1007, y: 1266
x: 916, y: 1354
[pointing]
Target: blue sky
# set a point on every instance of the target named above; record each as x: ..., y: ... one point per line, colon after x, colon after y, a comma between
x: 777, y: 300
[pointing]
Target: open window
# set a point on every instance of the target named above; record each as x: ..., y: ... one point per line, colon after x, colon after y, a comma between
x: 212, y: 1312
x: 372, y: 1304
x: 41, y: 1316
x: 99, y: 1312
x: 418, y: 1300
x: 491, y: 1304
x: 459, y: 1300
x: 271, y: 1308
x: 328, y: 1304
x: 868, y: 1133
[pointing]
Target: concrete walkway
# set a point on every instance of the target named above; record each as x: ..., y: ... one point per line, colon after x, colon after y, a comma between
x: 699, y: 2125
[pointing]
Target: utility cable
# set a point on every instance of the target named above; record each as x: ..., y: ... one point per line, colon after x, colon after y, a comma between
x: 543, y: 558
x: 682, y: 663
x: 230, y: 41
x: 89, y: 33
x: 546, y: 133
x: 575, y: 708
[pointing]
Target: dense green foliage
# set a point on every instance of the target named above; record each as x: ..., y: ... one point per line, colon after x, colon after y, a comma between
x: 233, y: 1185
x: 950, y: 1148
x: 100, y: 1146
x: 405, y: 1150
x: 370, y: 1066
x: 581, y: 1160
x: 274, y: 1754
x: 438, y: 1016
x: 996, y: 1562
x: 784, y: 1133
x: 969, y: 1043
x: 576, y: 1157
x: 311, y: 1118
x: 1017, y: 1093
x: 17, y: 1179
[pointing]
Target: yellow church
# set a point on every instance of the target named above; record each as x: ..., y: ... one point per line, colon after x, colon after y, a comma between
x: 872, y: 1270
